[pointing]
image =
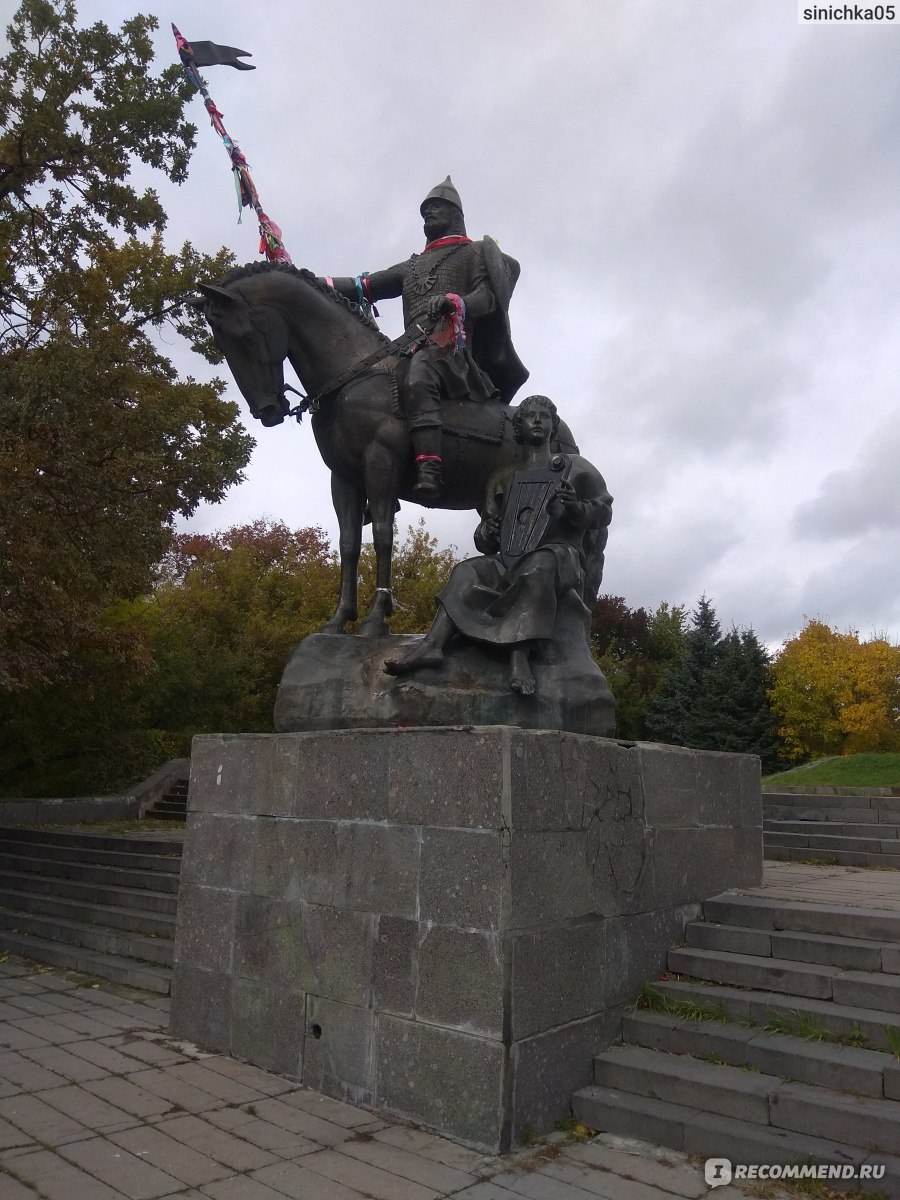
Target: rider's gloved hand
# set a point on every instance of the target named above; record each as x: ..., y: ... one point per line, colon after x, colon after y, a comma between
x: 440, y: 306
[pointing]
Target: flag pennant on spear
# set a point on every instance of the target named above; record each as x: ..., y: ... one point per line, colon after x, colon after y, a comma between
x: 209, y: 54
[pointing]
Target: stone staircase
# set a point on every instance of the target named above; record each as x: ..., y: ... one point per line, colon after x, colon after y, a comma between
x: 860, y: 829
x: 775, y: 1039
x: 172, y: 805
x: 102, y: 904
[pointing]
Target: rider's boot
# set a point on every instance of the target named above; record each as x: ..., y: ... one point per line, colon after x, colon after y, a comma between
x: 427, y: 449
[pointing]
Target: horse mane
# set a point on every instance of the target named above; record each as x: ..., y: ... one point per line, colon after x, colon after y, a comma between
x: 265, y: 268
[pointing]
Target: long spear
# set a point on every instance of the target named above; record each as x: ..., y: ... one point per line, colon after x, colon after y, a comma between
x: 207, y: 54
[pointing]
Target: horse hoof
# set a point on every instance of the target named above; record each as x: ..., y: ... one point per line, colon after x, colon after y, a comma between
x: 373, y: 629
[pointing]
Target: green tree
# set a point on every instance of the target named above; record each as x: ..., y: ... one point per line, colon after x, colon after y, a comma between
x: 102, y: 444
x: 635, y: 649
x: 673, y: 713
x: 207, y: 647
x: 222, y: 622
x: 733, y: 713
x: 716, y: 697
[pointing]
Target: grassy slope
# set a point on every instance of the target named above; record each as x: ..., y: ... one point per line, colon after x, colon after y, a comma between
x: 856, y: 770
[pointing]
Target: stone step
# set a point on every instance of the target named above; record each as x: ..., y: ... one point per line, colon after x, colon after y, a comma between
x: 705, y: 1134
x: 820, y: 1018
x: 735, y: 939
x: 167, y: 806
x: 822, y: 1064
x: 852, y: 954
x: 819, y: 812
x: 129, y: 971
x: 752, y: 1096
x: 146, y: 899
x: 833, y: 851
x: 837, y: 801
x: 831, y: 858
x: 139, y: 843
x: 832, y: 829
x: 171, y: 803
x: 828, y: 842
x: 133, y: 920
x: 758, y: 912
x: 166, y: 815
x: 87, y: 934
x: 169, y: 864
x: 123, y: 877
x: 680, y: 1079
x: 868, y: 989
x: 751, y: 971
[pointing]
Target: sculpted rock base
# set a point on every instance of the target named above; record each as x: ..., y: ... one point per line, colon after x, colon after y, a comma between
x: 336, y: 681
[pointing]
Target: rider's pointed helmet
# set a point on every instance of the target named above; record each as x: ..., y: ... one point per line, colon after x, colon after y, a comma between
x: 443, y: 191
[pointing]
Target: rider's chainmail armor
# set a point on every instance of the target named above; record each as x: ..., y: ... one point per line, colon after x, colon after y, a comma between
x: 458, y: 269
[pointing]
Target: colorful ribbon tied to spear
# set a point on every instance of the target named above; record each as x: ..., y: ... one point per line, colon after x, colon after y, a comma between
x: 209, y: 54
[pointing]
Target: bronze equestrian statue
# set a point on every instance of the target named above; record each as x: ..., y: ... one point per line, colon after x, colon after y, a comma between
x: 354, y: 380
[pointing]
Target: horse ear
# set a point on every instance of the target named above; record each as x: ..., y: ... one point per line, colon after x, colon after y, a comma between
x: 216, y: 293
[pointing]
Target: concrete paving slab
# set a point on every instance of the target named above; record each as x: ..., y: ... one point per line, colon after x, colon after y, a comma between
x: 295, y: 1181
x: 54, y: 1178
x: 369, y: 1179
x: 262, y: 1133
x: 129, y: 1175
x: 222, y: 1145
x: 187, y: 1165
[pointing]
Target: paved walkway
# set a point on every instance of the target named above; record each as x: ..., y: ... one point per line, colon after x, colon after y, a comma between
x: 98, y: 1103
x: 856, y: 887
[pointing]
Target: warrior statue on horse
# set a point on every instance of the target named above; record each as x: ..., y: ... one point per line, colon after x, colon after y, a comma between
x: 424, y: 418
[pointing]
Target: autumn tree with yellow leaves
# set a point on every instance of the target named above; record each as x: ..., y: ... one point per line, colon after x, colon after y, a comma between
x: 834, y: 694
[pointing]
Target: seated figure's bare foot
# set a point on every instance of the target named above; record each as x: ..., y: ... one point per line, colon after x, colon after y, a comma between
x: 423, y: 655
x: 521, y: 679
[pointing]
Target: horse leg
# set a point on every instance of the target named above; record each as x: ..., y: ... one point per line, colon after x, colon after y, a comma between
x: 348, y: 503
x: 381, y: 488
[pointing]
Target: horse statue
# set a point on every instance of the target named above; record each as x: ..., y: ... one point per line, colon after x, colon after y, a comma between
x: 352, y: 373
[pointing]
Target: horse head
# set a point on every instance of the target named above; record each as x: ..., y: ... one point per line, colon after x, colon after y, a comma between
x: 254, y: 340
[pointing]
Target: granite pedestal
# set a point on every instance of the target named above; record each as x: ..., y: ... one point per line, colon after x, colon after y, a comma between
x: 444, y: 924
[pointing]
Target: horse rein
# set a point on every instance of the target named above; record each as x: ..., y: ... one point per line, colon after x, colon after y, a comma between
x: 404, y: 346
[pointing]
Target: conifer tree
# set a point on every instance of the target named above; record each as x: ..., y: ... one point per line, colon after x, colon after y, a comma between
x: 674, y: 716
x: 717, y: 698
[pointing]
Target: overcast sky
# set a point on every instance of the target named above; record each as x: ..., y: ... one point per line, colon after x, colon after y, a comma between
x: 703, y: 196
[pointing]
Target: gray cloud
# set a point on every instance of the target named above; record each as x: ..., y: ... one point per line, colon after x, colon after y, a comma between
x: 862, y: 498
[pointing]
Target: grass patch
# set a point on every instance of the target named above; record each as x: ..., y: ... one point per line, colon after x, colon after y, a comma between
x: 793, y: 1023
x: 652, y: 999
x: 853, y: 770
x: 804, y: 1025
x: 808, y: 1189
x: 892, y: 1033
x: 146, y: 825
